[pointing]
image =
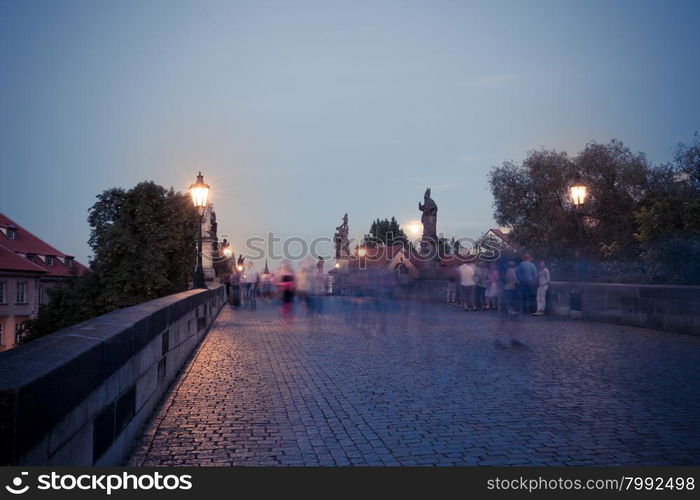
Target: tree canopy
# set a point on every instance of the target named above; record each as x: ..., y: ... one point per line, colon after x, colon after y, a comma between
x: 144, y: 247
x: 640, y: 221
x: 385, y: 232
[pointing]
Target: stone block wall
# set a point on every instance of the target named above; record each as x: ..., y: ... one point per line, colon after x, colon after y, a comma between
x: 80, y: 396
x: 659, y: 307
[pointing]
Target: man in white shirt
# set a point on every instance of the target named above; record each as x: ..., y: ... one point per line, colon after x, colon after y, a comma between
x: 467, y: 282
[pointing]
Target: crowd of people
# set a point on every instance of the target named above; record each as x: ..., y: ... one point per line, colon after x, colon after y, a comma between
x: 244, y: 284
x: 517, y: 287
x: 510, y: 286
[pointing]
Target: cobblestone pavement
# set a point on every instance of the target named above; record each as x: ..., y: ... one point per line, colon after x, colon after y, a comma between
x: 365, y: 383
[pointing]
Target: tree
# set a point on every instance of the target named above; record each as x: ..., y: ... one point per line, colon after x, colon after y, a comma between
x: 385, y: 232
x: 143, y: 241
x: 617, y: 180
x: 641, y: 222
x: 532, y: 198
x: 668, y: 220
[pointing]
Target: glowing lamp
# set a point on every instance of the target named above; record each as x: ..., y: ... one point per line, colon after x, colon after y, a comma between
x: 200, y: 193
x: 414, y: 229
x: 578, y: 193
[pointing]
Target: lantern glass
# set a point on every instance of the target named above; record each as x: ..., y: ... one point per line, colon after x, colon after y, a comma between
x: 578, y: 194
x: 200, y: 192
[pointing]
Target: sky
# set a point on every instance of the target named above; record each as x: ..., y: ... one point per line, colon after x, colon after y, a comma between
x: 299, y: 111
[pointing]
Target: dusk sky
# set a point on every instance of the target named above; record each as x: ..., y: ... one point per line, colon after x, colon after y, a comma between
x: 298, y: 111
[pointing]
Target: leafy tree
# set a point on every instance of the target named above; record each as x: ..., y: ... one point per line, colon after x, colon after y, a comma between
x: 617, y: 181
x: 668, y: 221
x: 532, y: 198
x: 641, y: 222
x: 143, y: 241
x: 385, y: 232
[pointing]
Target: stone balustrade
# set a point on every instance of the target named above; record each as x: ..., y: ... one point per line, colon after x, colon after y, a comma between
x: 80, y: 396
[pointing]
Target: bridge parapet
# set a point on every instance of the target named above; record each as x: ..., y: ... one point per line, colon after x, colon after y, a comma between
x: 80, y: 396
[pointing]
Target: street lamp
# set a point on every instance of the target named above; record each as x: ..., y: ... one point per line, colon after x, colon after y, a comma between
x: 578, y: 192
x: 200, y: 193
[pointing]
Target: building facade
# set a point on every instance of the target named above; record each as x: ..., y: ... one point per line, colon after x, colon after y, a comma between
x: 29, y: 267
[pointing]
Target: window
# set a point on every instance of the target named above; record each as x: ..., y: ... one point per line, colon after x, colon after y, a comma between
x: 40, y: 294
x: 11, y: 234
x: 3, y: 300
x: 21, y: 297
x: 69, y: 261
x: 49, y: 260
x: 2, y: 333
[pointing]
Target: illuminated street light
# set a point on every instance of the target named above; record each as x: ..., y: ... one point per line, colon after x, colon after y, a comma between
x: 578, y: 193
x: 200, y: 193
x: 414, y: 229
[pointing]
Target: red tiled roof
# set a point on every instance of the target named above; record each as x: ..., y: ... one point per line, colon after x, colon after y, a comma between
x: 28, y: 244
x: 505, y: 237
x: 10, y: 261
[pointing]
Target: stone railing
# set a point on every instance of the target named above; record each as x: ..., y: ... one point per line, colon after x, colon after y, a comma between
x: 80, y: 396
x: 660, y: 307
x: 672, y: 308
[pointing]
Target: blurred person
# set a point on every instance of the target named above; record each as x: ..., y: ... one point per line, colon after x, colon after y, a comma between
x: 510, y: 310
x: 452, y: 285
x: 285, y: 282
x: 527, y: 279
x: 543, y: 279
x: 510, y: 289
x: 481, y: 279
x: 235, y: 285
x: 266, y: 285
x: 494, y: 284
x: 305, y: 279
x: 467, y: 284
x: 249, y: 282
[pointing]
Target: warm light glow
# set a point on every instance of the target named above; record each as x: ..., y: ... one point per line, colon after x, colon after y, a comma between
x: 240, y: 268
x: 337, y: 265
x: 578, y: 194
x: 200, y: 192
x: 362, y: 252
x: 413, y: 228
x: 227, y: 252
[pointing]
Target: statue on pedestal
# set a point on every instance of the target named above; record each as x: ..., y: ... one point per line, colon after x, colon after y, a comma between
x: 342, y: 243
x: 429, y: 208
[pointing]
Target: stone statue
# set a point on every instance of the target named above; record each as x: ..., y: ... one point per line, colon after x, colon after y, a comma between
x: 429, y: 217
x: 342, y: 243
x: 213, y: 226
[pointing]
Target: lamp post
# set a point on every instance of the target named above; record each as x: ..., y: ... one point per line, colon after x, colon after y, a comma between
x: 578, y: 193
x: 200, y: 193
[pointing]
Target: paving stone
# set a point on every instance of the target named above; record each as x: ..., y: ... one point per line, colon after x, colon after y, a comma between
x: 424, y: 384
